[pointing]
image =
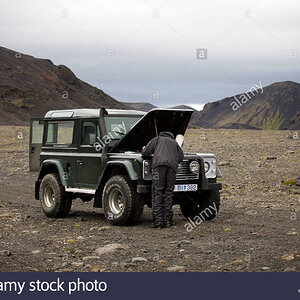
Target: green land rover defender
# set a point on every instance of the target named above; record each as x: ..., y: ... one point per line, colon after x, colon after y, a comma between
x: 95, y: 154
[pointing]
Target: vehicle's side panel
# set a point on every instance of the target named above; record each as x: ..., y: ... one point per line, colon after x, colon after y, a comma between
x: 88, y: 156
x: 59, y: 144
x: 87, y: 168
x: 57, y: 165
x: 129, y: 165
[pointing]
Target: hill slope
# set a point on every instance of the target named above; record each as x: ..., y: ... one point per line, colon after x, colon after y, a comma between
x: 183, y: 107
x: 142, y: 106
x: 276, y: 106
x: 146, y: 106
x: 29, y: 87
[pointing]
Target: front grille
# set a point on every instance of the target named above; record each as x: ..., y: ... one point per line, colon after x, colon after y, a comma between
x: 184, y: 172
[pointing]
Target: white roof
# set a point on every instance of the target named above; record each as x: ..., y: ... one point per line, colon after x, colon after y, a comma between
x: 89, y: 113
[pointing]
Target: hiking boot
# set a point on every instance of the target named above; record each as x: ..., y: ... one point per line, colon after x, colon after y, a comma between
x: 168, y: 224
x: 157, y: 224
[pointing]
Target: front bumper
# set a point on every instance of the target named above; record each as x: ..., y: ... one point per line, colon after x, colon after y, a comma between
x: 146, y: 188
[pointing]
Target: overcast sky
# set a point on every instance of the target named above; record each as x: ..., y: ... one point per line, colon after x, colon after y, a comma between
x: 146, y: 50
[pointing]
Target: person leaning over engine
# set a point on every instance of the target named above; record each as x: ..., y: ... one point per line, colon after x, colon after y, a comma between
x: 167, y: 154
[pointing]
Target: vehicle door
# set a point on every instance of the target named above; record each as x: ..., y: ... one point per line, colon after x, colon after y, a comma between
x: 35, y: 143
x: 88, y: 158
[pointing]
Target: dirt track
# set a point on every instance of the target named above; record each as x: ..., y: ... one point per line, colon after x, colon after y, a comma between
x: 257, y: 229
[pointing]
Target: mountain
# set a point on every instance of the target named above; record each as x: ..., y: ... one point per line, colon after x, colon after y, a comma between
x: 184, y: 107
x: 294, y: 122
x: 30, y: 86
x: 142, y: 106
x: 146, y: 106
x: 276, y: 106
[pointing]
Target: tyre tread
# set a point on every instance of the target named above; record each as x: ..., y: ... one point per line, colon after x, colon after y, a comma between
x: 64, y: 203
x: 136, y: 206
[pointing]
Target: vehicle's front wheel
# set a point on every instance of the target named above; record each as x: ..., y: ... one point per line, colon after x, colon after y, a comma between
x: 121, y: 203
x: 204, y: 205
x: 54, y: 200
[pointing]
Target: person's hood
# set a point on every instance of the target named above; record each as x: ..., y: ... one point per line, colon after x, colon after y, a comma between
x: 172, y: 121
x: 167, y: 134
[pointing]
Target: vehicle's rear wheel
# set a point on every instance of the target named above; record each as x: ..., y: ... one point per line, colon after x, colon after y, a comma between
x: 121, y: 203
x: 54, y: 200
x: 205, y: 205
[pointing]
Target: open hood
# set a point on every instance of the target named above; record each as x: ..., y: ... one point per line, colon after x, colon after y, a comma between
x: 149, y: 126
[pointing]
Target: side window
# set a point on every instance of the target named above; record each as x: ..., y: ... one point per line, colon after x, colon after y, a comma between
x: 60, y: 133
x: 37, y: 132
x: 90, y: 132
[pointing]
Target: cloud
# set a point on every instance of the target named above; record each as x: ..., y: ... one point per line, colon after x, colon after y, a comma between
x: 133, y: 48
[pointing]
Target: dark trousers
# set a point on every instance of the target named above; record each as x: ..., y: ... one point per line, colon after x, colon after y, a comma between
x: 163, y: 181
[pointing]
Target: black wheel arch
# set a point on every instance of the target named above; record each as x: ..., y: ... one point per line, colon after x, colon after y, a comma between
x: 53, y: 166
x: 109, y: 171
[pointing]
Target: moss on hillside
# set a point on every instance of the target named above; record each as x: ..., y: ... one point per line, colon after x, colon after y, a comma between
x: 273, y: 123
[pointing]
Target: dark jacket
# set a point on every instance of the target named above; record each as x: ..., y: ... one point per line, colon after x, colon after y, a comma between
x: 165, y: 150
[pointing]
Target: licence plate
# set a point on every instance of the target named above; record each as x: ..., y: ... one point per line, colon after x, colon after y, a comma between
x: 185, y: 187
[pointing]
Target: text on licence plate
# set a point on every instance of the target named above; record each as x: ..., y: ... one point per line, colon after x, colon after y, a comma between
x: 185, y: 187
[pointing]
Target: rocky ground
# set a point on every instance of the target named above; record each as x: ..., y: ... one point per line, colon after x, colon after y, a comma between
x: 257, y: 228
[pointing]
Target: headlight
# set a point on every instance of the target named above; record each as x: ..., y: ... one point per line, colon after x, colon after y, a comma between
x: 194, y: 167
x: 210, y: 165
x: 206, y: 167
x: 146, y: 170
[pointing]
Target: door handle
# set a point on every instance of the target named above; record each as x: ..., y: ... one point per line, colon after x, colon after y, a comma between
x: 80, y: 162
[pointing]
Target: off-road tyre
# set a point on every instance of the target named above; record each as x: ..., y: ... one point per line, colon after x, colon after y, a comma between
x: 54, y: 200
x: 200, y: 205
x: 121, y: 203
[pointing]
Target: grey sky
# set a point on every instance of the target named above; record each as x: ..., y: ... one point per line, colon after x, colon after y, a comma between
x: 145, y: 50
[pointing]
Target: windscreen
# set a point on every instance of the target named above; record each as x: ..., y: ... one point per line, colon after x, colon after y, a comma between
x: 118, y: 126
